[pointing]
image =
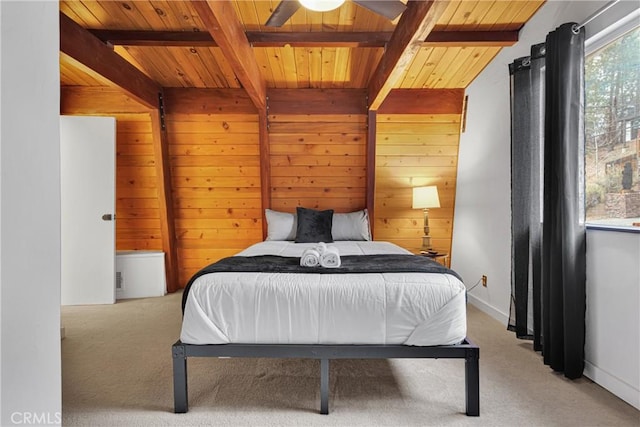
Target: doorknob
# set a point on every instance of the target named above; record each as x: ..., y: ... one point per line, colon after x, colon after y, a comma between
x: 108, y: 217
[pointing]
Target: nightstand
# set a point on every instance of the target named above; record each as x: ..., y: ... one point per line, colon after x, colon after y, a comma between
x: 441, y: 257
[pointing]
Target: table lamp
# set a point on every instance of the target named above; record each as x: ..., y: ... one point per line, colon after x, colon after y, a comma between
x: 425, y: 198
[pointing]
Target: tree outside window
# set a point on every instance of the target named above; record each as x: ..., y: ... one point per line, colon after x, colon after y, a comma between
x: 612, y: 123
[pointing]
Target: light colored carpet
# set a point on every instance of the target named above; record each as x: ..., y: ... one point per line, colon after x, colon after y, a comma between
x: 117, y: 371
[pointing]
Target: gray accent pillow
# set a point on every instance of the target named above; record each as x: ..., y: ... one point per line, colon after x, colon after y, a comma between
x: 314, y: 226
x: 280, y: 225
x: 351, y: 226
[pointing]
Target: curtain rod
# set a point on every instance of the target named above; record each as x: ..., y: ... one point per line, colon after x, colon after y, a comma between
x: 576, y: 27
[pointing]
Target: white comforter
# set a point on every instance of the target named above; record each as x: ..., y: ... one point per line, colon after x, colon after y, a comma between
x: 282, y: 308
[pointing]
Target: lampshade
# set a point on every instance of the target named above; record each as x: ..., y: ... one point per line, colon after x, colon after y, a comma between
x: 321, y: 5
x: 425, y: 197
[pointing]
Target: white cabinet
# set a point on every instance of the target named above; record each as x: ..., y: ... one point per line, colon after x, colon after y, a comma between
x: 140, y: 274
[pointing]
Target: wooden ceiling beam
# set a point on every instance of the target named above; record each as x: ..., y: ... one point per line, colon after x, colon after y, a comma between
x: 319, y: 39
x: 265, y: 167
x: 97, y: 100
x: 305, y: 39
x: 414, y: 26
x: 91, y: 53
x: 222, y: 23
x: 189, y: 100
x: 165, y: 199
x: 372, y: 141
x: 471, y: 39
x: 317, y: 101
x: 155, y: 38
x: 423, y: 101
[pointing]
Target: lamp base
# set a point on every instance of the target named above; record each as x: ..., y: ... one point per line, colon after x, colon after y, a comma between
x: 426, y: 243
x: 426, y: 239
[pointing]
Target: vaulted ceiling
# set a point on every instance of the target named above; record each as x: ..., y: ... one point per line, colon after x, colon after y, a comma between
x: 172, y: 43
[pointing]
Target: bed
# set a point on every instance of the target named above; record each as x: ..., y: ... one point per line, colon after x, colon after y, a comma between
x: 382, y: 302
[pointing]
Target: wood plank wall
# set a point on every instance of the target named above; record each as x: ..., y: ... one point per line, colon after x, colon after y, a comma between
x: 318, y: 160
x: 415, y: 150
x: 215, y: 166
x: 318, y: 149
x: 137, y: 213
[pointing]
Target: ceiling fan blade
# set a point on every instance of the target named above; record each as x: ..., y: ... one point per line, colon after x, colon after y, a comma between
x: 389, y: 9
x: 284, y: 11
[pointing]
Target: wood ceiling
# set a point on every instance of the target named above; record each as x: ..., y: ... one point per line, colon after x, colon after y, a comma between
x: 171, y: 42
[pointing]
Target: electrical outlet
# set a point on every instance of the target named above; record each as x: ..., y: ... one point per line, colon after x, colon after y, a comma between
x: 484, y: 280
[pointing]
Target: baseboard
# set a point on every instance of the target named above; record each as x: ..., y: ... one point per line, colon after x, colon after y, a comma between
x: 489, y: 309
x: 616, y: 386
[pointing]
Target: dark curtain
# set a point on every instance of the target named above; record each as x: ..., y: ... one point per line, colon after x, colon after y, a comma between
x: 527, y: 135
x: 547, y: 199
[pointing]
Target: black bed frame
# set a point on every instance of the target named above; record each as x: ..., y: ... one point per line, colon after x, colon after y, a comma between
x: 466, y: 350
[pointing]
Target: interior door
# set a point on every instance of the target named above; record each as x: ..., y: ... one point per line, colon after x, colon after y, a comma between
x: 87, y: 159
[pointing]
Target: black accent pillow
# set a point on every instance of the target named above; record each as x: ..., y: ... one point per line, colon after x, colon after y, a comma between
x: 314, y: 226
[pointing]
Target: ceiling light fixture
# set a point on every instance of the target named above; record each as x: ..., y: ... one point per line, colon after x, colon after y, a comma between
x: 321, y: 5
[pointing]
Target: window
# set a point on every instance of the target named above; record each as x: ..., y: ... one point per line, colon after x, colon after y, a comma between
x: 612, y: 123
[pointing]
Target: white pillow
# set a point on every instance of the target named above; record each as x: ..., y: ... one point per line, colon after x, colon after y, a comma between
x: 351, y: 226
x: 280, y: 225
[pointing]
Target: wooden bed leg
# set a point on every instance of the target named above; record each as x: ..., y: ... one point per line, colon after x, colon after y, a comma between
x: 472, y: 382
x: 324, y: 386
x: 180, y: 400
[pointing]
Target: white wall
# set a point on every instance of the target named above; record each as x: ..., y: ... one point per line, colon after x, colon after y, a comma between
x: 481, y: 235
x: 613, y: 297
x: 30, y: 372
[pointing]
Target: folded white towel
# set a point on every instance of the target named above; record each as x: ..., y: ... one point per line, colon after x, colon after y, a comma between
x: 310, y: 258
x: 321, y: 247
x: 330, y: 257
